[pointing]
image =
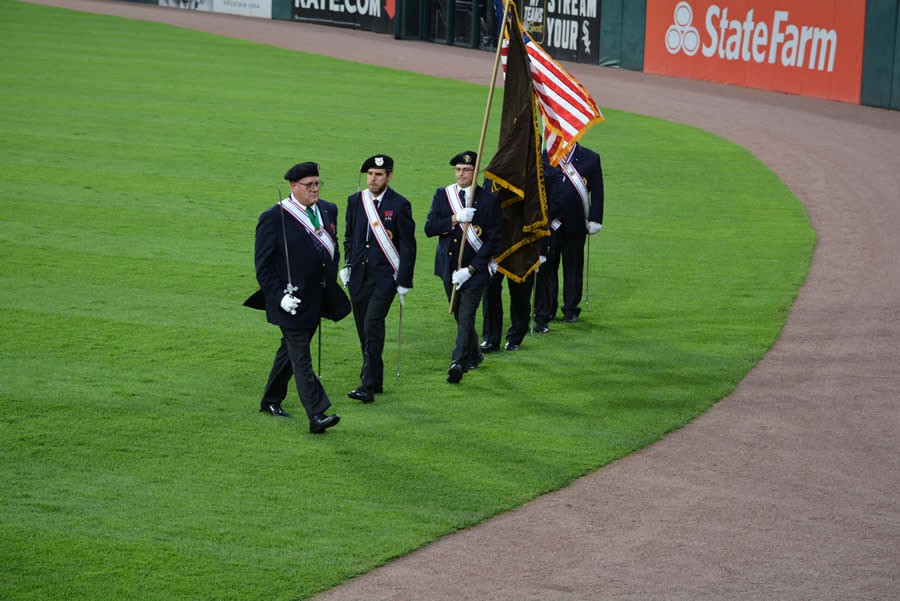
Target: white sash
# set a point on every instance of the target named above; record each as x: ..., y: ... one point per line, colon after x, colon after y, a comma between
x: 576, y: 180
x: 384, y: 241
x: 298, y: 212
x: 456, y: 206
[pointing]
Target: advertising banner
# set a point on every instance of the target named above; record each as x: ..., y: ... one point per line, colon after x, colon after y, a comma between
x: 371, y: 15
x: 246, y: 8
x: 808, y: 47
x: 571, y: 27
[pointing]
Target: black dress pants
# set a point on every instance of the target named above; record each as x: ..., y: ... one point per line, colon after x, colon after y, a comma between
x: 370, y: 309
x: 569, y: 252
x: 572, y: 256
x: 546, y: 285
x: 293, y: 358
x: 519, y: 309
x: 466, y: 350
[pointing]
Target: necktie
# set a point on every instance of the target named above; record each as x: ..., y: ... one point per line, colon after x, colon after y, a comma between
x: 313, y: 217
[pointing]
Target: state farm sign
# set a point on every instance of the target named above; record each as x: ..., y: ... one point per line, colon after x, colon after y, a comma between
x: 804, y: 47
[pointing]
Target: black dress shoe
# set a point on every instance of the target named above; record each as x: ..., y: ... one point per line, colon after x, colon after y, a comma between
x: 488, y: 347
x: 571, y: 318
x: 455, y: 373
x: 361, y: 394
x: 322, y: 422
x: 474, y: 364
x: 541, y: 329
x: 511, y: 347
x: 273, y: 409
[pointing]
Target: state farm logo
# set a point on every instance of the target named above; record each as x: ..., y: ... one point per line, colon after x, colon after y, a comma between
x: 682, y: 36
x: 771, y: 38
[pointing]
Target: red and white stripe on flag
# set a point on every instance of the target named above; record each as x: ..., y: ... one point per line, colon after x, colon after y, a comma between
x: 567, y: 108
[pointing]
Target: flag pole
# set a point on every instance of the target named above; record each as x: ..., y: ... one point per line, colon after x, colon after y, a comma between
x: 484, y: 124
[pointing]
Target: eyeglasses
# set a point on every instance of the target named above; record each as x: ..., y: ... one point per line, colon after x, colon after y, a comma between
x: 311, y: 185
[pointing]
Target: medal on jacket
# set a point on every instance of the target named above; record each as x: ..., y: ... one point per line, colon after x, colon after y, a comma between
x: 314, y: 219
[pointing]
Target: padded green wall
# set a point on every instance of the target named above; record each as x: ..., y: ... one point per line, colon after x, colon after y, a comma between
x: 622, y: 25
x: 881, y: 55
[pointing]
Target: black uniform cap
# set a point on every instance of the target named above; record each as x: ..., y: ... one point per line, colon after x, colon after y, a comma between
x: 379, y: 161
x: 301, y: 170
x: 468, y: 157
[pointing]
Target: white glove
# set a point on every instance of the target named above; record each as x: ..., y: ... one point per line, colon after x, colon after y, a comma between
x: 593, y: 227
x: 344, y: 274
x: 543, y: 259
x: 460, y: 277
x: 402, y: 291
x: 465, y: 215
x: 290, y: 303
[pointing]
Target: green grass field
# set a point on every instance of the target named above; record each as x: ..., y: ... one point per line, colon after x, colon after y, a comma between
x: 136, y: 159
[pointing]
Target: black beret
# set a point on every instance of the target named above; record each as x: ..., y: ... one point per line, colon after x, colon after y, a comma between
x: 301, y: 170
x: 467, y: 157
x: 379, y: 161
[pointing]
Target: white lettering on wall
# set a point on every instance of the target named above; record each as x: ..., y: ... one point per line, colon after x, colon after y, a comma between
x: 750, y: 40
x: 370, y: 8
x: 562, y: 33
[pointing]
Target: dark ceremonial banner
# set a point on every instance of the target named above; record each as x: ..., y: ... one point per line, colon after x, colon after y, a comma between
x: 516, y: 170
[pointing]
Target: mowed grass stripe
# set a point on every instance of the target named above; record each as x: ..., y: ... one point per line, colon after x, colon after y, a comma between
x: 136, y: 160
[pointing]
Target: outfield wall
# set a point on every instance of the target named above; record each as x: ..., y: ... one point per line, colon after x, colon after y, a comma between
x: 844, y: 50
x: 245, y: 8
x: 881, y: 55
x: 807, y: 47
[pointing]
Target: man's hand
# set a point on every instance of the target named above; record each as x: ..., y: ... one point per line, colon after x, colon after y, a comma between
x: 542, y: 259
x: 402, y: 291
x: 465, y: 215
x: 290, y: 303
x: 460, y: 277
x: 344, y: 274
x: 593, y: 227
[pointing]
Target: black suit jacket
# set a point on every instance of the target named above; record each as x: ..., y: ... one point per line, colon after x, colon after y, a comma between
x: 565, y: 203
x: 313, y: 270
x: 488, y: 222
x: 395, y: 213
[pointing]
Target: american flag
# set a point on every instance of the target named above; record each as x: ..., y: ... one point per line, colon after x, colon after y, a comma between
x: 567, y: 108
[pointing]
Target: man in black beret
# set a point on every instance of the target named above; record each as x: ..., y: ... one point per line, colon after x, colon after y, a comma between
x: 380, y: 250
x: 467, y: 157
x: 464, y: 211
x: 297, y: 256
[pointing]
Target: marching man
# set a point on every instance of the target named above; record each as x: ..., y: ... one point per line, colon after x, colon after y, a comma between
x: 463, y: 211
x: 575, y: 195
x: 380, y: 247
